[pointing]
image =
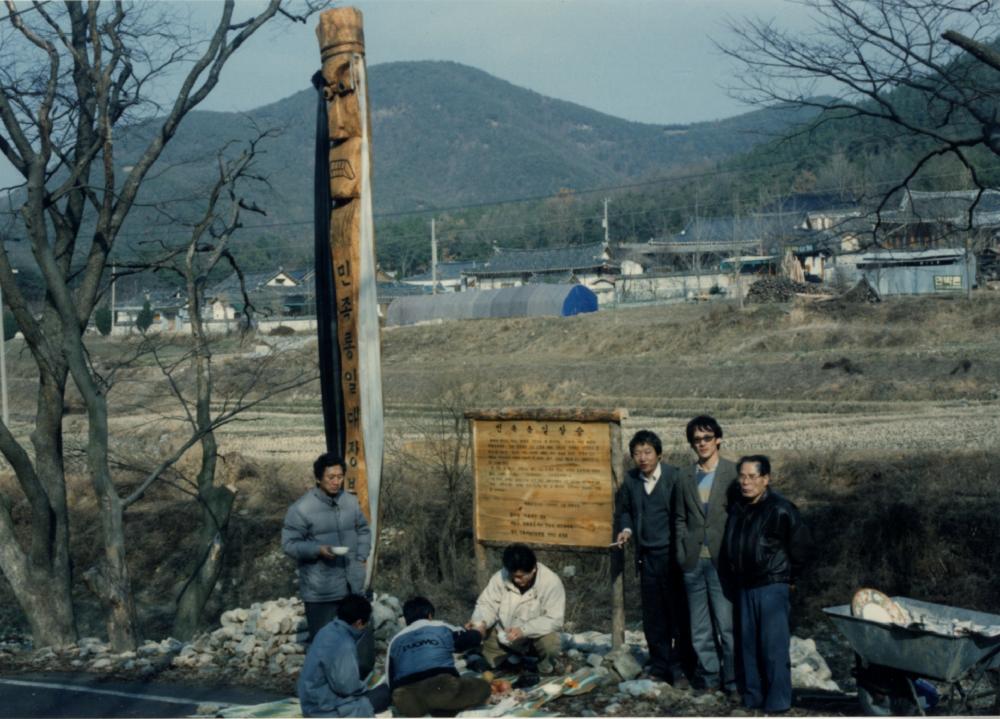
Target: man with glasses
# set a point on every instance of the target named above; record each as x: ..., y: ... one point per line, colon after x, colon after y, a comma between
x: 521, y: 610
x: 765, y: 544
x: 705, y: 490
x: 643, y: 509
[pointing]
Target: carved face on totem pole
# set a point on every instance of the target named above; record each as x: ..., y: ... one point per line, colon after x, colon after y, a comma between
x: 344, y: 126
x: 342, y: 44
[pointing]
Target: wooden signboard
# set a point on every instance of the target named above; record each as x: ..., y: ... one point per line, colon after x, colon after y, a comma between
x: 547, y: 478
x: 543, y: 482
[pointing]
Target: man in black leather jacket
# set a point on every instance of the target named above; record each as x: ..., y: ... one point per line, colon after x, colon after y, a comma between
x: 765, y: 545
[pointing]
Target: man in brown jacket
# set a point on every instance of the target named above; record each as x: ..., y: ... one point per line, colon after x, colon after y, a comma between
x: 705, y: 489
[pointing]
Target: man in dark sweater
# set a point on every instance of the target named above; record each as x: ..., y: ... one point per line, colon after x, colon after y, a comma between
x: 421, y: 666
x: 643, y: 510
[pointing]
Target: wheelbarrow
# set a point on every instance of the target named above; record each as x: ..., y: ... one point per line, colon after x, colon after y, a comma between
x: 959, y: 648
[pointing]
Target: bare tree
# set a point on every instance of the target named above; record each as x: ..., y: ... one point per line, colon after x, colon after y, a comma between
x: 926, y: 70
x: 72, y: 77
x: 431, y: 493
x: 194, y: 261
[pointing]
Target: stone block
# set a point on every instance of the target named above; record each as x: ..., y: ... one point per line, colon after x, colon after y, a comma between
x: 624, y: 664
x: 245, y: 647
x: 640, y: 688
x: 148, y: 649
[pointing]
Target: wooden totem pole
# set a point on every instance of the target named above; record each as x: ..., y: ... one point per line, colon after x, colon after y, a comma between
x: 346, y: 303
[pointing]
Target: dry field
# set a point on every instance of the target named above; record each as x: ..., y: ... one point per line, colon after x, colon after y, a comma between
x: 878, y: 416
x: 909, y: 374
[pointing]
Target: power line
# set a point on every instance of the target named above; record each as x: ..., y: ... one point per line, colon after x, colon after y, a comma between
x: 707, y: 174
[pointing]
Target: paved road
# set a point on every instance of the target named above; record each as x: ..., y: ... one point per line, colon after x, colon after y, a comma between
x: 81, y: 695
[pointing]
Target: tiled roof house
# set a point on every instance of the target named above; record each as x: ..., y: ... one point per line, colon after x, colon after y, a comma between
x: 590, y: 265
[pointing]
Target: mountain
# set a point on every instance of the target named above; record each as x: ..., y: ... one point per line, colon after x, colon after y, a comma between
x: 446, y: 135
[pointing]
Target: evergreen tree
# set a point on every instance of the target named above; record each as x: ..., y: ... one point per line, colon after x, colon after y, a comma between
x: 102, y: 318
x: 145, y: 317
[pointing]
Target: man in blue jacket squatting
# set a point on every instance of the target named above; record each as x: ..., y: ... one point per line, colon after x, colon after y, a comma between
x: 330, y: 684
x: 421, y: 666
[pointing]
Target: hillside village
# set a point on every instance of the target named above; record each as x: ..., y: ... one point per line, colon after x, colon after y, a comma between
x: 925, y: 243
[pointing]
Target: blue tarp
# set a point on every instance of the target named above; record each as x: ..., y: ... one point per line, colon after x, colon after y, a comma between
x: 523, y: 301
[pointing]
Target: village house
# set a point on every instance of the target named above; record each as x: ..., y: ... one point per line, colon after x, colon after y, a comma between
x: 165, y: 304
x: 273, y: 293
x: 588, y: 265
x: 449, y: 275
x: 930, y: 220
x: 388, y: 291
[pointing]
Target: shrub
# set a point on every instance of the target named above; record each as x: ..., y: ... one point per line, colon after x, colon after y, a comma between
x: 102, y: 320
x: 145, y: 317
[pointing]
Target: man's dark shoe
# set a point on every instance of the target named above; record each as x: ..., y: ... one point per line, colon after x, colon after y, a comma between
x: 656, y: 676
x: 550, y: 667
x: 526, y: 680
x: 680, y: 682
x: 477, y: 664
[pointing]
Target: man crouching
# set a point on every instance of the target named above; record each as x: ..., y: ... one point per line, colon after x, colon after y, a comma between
x: 330, y: 683
x: 421, y: 666
x: 521, y: 610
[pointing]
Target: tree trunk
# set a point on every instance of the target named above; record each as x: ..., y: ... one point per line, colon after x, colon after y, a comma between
x: 42, y: 592
x: 48, y: 610
x: 109, y: 579
x: 46, y: 596
x: 213, y: 539
x: 111, y: 582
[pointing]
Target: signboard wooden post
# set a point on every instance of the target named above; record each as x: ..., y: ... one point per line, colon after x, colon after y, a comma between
x: 547, y: 478
x: 346, y: 303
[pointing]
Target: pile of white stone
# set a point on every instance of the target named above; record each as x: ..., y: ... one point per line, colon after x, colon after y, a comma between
x: 91, y: 654
x: 12, y: 647
x: 268, y: 637
x: 271, y: 637
x: 809, y: 669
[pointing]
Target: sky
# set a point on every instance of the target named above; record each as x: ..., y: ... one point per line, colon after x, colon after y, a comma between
x: 645, y: 60
x: 649, y: 61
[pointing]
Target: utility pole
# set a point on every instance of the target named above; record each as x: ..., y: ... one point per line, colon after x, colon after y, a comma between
x: 113, y: 300
x: 434, y: 260
x: 604, y: 222
x: 970, y: 275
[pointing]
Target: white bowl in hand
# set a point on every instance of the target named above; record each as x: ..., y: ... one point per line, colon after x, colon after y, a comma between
x: 340, y: 551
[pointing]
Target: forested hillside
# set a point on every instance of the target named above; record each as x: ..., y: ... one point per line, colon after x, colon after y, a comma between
x: 444, y: 136
x: 496, y: 164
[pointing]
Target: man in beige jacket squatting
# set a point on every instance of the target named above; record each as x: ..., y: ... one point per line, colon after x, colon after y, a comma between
x: 521, y: 611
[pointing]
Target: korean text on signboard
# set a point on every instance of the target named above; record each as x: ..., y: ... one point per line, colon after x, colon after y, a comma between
x: 543, y: 482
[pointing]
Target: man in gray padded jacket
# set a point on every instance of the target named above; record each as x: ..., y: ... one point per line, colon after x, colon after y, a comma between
x: 326, y: 532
